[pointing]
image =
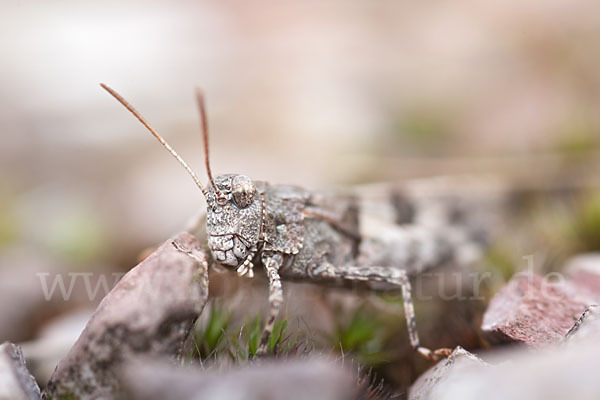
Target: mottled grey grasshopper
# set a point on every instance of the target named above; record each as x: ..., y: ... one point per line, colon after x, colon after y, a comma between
x: 318, y: 237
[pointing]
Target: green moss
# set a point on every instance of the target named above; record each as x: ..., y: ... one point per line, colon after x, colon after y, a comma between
x: 209, y: 336
x: 78, y: 236
x: 425, y: 127
x: 578, y: 137
x: 502, y: 261
x: 277, y: 336
x: 217, y: 336
x: 364, y: 335
x: 62, y: 396
x: 9, y: 228
x: 253, y: 338
x: 586, y: 225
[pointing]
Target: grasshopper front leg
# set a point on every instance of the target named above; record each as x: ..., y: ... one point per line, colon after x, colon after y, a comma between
x: 272, y: 263
x: 398, y: 278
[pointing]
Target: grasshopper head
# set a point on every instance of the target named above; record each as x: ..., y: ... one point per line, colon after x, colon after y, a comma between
x: 233, y: 219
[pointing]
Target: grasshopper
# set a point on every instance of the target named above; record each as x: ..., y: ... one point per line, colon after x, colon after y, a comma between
x: 323, y: 238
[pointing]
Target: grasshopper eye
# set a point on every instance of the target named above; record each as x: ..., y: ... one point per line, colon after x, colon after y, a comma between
x: 243, y: 191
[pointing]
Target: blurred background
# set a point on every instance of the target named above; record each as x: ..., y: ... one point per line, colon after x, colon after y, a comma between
x: 314, y: 93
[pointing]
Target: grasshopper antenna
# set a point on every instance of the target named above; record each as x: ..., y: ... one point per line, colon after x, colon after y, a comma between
x: 159, y: 138
x: 204, y: 123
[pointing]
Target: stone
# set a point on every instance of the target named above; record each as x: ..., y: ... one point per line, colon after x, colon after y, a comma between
x: 269, y: 380
x: 532, y: 311
x: 149, y: 312
x: 556, y: 372
x: 567, y: 370
x: 587, y: 326
x: 16, y: 383
x: 584, y: 272
x: 437, y: 379
x: 22, y: 300
x: 53, y: 342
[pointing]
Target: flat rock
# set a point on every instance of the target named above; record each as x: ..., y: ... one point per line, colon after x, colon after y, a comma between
x: 532, y: 311
x: 53, y: 342
x: 587, y: 326
x: 438, y: 378
x: 584, y: 271
x: 15, y: 381
x: 291, y: 380
x: 556, y: 372
x: 149, y: 312
x: 22, y: 300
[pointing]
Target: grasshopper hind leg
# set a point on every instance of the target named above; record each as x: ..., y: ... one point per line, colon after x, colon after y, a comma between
x: 398, y: 278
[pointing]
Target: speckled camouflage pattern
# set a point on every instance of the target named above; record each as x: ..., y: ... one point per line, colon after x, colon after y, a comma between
x: 325, y: 237
x: 334, y: 238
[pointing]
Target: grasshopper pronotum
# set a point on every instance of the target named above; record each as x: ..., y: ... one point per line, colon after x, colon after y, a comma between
x: 297, y: 234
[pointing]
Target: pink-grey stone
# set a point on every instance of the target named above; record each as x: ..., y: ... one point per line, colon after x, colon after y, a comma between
x: 583, y: 271
x: 53, y: 342
x: 283, y: 379
x: 439, y: 377
x: 16, y: 383
x: 149, y: 312
x: 555, y: 372
x: 566, y: 370
x: 532, y: 311
x: 587, y: 326
x: 22, y: 300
